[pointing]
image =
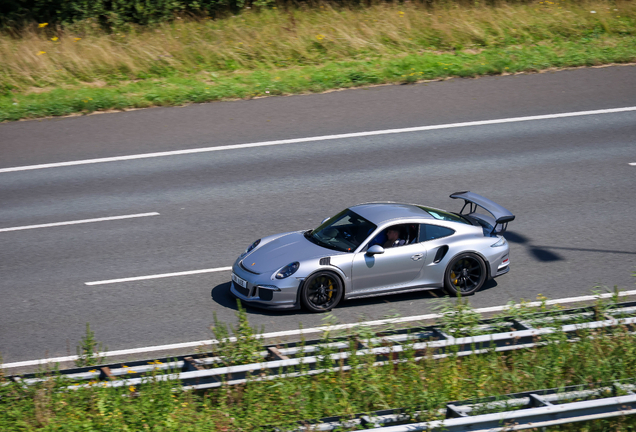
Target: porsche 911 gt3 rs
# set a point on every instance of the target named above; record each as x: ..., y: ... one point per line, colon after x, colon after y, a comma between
x: 376, y: 249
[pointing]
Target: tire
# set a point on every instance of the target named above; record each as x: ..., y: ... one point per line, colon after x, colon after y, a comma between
x: 465, y: 275
x: 321, y: 292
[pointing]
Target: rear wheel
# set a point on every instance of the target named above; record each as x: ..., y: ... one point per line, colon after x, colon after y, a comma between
x: 465, y: 275
x: 321, y: 292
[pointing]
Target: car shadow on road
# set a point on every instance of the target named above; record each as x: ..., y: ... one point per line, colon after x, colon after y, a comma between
x: 545, y: 253
x: 539, y: 253
x: 222, y: 296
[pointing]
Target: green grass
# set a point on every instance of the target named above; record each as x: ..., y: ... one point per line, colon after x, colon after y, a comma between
x: 80, y: 69
x: 426, y: 384
x: 177, y: 90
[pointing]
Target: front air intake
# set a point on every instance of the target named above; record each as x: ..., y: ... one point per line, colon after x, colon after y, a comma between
x: 325, y: 261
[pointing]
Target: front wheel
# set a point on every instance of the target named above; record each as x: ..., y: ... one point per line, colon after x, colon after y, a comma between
x: 321, y: 292
x: 465, y: 275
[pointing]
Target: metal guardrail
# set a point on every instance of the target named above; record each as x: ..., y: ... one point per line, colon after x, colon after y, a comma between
x: 204, y: 371
x: 537, y: 411
x: 534, y: 409
x: 519, y: 411
x: 548, y: 414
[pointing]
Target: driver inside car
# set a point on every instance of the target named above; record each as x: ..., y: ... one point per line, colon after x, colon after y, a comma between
x: 388, y: 238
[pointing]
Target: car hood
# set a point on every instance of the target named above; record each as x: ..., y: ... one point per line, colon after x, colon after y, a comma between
x: 284, y: 250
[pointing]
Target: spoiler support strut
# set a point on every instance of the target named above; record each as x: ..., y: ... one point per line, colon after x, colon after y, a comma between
x: 501, y: 215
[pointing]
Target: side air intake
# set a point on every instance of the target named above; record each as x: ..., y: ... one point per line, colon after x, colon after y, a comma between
x: 325, y: 261
x: 441, y: 253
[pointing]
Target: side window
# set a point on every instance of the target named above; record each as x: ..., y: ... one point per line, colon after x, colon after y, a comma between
x: 396, y: 235
x: 432, y: 232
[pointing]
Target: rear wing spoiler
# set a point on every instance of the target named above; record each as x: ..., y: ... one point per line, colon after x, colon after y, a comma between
x: 471, y: 200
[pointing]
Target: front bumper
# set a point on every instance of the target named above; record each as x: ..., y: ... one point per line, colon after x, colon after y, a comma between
x: 263, y: 292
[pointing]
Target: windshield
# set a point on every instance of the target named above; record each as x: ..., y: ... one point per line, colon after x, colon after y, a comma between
x: 343, y: 232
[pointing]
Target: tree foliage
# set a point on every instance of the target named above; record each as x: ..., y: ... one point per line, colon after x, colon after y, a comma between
x: 113, y: 13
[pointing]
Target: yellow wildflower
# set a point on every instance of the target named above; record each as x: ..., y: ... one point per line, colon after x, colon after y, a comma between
x: 54, y: 38
x: 41, y: 52
x: 43, y: 25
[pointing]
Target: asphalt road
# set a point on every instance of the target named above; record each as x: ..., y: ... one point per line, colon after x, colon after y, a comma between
x: 568, y: 180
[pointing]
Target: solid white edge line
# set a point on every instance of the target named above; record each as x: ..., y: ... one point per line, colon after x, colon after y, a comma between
x: 633, y: 163
x: 317, y: 138
x: 158, y: 276
x: 82, y: 221
x: 310, y: 330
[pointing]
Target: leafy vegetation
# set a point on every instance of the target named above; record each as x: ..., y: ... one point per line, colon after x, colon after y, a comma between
x: 80, y: 68
x: 423, y: 384
x: 243, y: 348
x: 89, y: 349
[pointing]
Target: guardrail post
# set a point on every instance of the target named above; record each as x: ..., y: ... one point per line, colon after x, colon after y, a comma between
x: 537, y: 401
x: 105, y: 373
x: 190, y: 364
x: 452, y: 411
x: 521, y: 325
x: 368, y: 421
x: 273, y: 354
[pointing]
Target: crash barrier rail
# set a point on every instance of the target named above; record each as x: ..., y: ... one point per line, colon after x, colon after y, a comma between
x: 516, y: 411
x: 202, y: 371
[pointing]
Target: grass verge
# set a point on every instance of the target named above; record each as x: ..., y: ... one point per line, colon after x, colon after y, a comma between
x: 425, y: 384
x: 80, y: 69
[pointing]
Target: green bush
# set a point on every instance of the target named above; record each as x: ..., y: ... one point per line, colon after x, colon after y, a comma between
x: 113, y: 13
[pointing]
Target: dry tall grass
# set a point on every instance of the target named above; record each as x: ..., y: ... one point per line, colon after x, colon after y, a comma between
x: 271, y: 39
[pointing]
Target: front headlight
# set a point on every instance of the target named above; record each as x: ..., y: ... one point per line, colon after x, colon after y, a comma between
x: 287, y: 271
x: 500, y: 242
x: 251, y: 248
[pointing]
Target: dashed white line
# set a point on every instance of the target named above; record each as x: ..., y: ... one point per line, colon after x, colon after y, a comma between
x: 75, y: 222
x: 633, y: 163
x: 314, y: 330
x: 317, y: 138
x: 159, y: 276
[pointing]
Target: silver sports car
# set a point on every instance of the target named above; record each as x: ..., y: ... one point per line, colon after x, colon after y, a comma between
x: 375, y: 249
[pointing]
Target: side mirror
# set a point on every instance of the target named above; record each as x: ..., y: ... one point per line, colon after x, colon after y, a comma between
x: 375, y: 250
x: 324, y: 220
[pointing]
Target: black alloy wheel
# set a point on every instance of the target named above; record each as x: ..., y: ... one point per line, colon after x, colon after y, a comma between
x: 465, y: 275
x: 321, y: 291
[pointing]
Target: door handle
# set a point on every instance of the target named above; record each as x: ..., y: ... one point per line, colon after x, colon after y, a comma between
x: 417, y: 257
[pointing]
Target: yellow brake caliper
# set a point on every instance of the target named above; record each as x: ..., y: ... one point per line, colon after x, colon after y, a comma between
x: 330, y: 288
x: 454, y: 277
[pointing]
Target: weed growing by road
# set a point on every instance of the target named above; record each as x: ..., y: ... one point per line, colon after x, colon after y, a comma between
x: 458, y: 318
x: 89, y: 349
x: 244, y: 347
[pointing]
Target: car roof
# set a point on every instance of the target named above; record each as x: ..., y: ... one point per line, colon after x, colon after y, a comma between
x: 381, y: 212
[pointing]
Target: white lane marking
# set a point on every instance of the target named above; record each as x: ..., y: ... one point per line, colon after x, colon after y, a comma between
x: 633, y: 163
x: 158, y: 276
x: 317, y: 138
x: 75, y: 222
x: 309, y: 330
